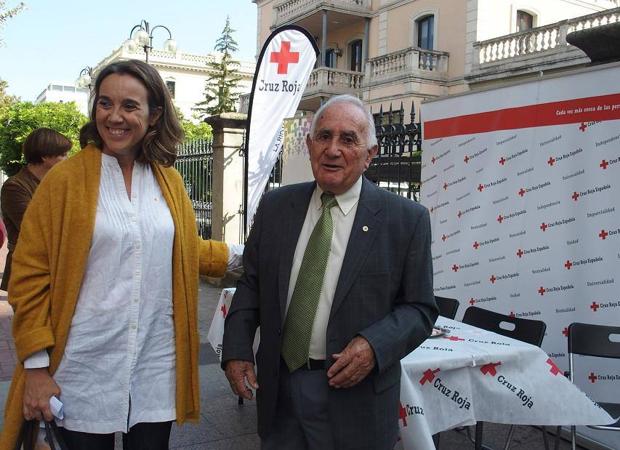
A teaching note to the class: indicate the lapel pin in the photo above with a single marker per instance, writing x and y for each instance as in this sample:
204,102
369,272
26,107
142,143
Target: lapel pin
364,228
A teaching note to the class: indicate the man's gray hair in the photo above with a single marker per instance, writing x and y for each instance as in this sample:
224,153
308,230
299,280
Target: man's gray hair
371,134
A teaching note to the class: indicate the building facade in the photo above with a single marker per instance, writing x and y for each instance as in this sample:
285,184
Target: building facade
388,51
63,93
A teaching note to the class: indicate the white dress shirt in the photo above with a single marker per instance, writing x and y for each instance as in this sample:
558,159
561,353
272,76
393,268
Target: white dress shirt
342,218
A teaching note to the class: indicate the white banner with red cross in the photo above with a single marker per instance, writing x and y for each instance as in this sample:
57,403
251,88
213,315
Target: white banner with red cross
284,65
523,185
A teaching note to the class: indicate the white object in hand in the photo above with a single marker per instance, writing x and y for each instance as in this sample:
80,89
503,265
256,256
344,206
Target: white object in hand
56,407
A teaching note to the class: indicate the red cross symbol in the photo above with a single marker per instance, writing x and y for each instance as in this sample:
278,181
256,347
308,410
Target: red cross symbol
466,159
490,369
223,309
603,164
459,214
500,219
284,57
555,370
603,234
551,161
568,264
480,187
519,253
433,160
565,331
492,279
429,375
592,378
502,161
444,237
575,196
511,315
472,301
542,290
445,186
583,127
544,226
455,268
453,338
476,245
594,306
522,192
402,414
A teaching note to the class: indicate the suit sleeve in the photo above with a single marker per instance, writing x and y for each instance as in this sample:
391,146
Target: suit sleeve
414,311
243,317
14,202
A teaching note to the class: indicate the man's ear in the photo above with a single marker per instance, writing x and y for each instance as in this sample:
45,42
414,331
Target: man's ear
155,115
308,142
372,152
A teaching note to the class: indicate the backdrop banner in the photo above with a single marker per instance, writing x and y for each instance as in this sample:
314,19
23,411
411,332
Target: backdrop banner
282,72
523,185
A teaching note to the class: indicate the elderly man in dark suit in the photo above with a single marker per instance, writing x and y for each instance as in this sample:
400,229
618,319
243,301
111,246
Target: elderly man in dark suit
338,275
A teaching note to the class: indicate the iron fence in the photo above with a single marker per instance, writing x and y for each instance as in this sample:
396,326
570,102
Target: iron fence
397,165
195,163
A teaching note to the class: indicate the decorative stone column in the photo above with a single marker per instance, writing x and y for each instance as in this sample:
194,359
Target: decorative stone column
227,195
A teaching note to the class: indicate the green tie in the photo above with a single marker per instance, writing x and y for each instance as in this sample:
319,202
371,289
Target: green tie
305,299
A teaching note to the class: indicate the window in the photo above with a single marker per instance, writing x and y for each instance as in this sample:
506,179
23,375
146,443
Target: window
355,58
525,21
171,86
330,58
426,26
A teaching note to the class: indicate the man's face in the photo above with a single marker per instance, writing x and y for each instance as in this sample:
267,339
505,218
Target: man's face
339,152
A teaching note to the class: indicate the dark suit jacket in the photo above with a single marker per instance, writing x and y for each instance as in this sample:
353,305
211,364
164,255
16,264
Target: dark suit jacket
384,293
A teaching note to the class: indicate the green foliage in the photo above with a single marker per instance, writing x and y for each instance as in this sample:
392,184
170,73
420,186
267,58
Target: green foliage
193,131
223,78
5,99
19,119
6,13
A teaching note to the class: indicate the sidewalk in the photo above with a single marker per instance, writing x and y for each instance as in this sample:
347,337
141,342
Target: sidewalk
225,425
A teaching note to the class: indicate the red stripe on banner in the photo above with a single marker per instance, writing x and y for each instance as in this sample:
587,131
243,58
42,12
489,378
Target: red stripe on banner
587,109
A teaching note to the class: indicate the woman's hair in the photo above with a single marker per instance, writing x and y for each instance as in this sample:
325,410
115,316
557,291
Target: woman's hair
44,142
159,145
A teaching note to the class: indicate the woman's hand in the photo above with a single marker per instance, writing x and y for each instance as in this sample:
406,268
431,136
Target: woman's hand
40,386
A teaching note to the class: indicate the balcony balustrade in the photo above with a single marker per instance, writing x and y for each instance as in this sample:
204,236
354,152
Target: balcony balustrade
289,10
412,61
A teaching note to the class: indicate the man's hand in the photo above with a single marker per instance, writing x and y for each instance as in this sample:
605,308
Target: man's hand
352,365
39,388
241,377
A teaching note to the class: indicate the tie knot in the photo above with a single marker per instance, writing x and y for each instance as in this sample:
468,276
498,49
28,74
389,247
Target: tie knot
328,200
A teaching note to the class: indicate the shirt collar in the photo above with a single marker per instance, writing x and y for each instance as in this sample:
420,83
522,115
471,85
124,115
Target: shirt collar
346,200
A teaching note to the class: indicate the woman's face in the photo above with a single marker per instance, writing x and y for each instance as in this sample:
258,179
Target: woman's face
122,115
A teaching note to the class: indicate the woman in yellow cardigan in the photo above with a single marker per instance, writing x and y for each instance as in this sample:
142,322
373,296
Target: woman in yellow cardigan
105,278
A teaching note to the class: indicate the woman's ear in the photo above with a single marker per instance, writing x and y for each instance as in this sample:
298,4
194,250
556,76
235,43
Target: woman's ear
155,115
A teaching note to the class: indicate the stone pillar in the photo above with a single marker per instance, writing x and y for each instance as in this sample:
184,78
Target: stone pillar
228,177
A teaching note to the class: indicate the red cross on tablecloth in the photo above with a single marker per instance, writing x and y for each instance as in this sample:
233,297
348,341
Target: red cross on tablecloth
603,164
472,301
521,192
284,57
519,253
455,268
592,377
555,370
492,279
502,161
583,127
568,264
511,315
480,187
428,376
466,159
433,160
541,290
445,186
565,331
459,214
551,161
444,237
603,234
490,368
500,218
594,306
453,338
476,245
544,226
575,196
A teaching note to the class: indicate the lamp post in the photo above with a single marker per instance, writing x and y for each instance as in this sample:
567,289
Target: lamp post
141,35
86,77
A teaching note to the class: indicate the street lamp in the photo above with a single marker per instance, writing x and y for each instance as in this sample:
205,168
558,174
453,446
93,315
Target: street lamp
86,77
141,35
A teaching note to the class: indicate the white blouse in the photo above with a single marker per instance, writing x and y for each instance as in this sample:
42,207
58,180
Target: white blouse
118,368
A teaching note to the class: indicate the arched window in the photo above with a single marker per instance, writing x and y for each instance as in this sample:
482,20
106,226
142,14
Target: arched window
525,21
355,55
426,32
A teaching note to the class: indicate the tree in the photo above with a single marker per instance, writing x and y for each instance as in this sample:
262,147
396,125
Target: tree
223,78
19,119
6,13
5,99
196,131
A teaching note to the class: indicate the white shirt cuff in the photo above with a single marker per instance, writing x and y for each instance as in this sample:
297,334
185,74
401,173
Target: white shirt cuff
235,256
37,360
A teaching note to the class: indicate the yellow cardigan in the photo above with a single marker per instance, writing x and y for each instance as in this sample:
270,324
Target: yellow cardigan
49,264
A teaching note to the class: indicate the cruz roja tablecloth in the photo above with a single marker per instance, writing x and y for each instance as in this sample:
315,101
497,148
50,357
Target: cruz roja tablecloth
468,375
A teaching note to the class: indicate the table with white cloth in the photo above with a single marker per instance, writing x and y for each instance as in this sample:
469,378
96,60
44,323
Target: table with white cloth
468,375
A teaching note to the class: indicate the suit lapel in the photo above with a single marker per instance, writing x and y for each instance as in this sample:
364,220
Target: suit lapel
366,226
294,214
